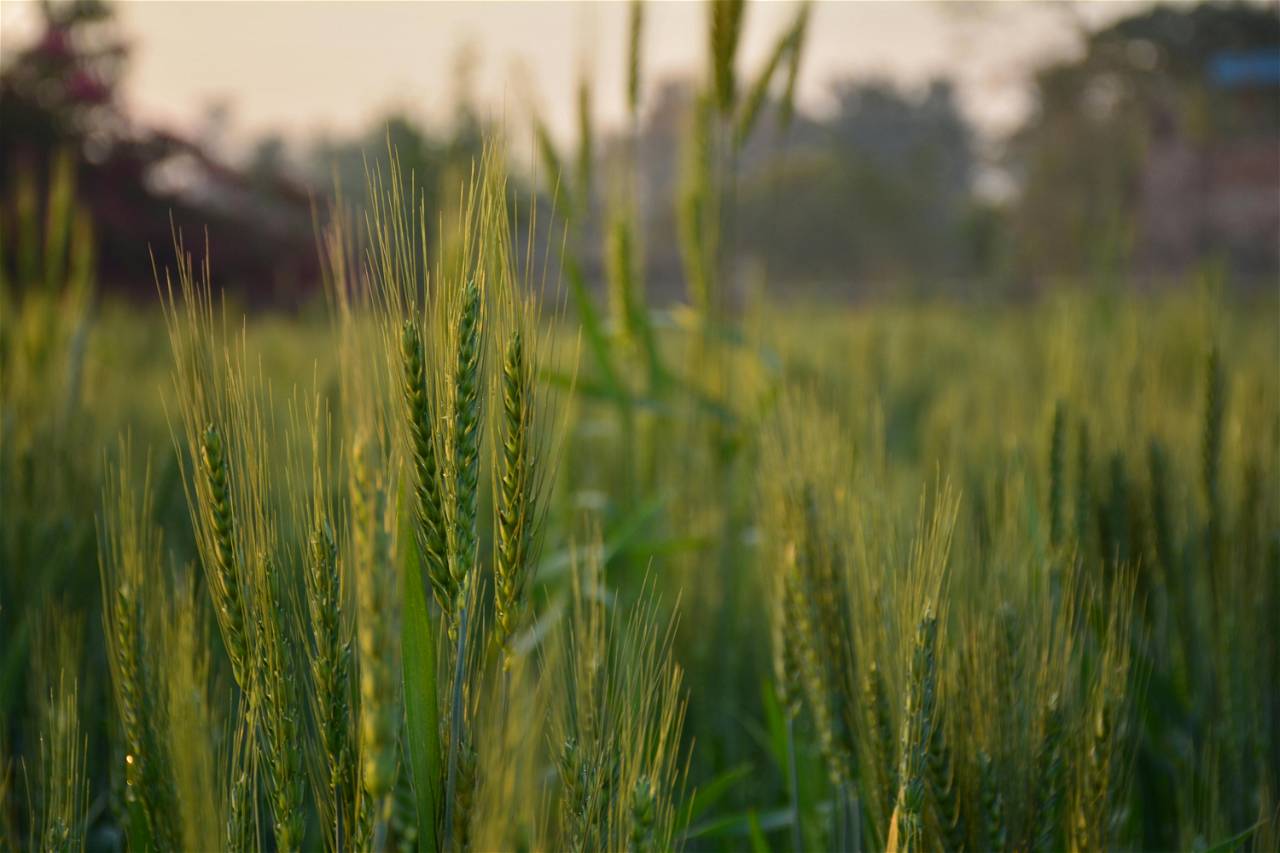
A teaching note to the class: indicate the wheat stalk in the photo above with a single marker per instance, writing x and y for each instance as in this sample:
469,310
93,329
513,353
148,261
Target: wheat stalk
131,553
917,729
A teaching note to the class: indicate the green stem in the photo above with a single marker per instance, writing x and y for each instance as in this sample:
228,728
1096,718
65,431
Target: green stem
797,843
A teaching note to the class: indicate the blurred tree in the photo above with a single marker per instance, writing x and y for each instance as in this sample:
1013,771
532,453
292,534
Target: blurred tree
1082,154
879,192
268,159
59,98
62,89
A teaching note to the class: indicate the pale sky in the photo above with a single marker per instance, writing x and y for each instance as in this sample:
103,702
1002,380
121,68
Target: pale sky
299,67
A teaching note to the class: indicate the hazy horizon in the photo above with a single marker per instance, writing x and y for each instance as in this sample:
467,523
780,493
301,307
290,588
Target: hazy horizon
306,69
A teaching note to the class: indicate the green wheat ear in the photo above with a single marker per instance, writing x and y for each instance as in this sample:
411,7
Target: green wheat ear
191,714
917,729
586,153
724,31
991,804
1051,782
786,661
132,550
430,514
515,511
278,708
942,782
331,661
876,710
573,794
465,457
1092,808
635,28
375,681
241,823
642,816
917,771
697,214
224,582
624,300
63,784
813,675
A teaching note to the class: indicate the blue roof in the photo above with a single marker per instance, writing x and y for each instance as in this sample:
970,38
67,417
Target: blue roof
1246,68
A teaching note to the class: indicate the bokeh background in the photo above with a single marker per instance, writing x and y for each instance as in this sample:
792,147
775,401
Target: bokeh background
981,150
1028,251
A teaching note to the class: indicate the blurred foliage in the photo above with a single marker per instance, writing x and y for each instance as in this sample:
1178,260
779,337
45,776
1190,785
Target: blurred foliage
1081,154
49,472
879,192
61,97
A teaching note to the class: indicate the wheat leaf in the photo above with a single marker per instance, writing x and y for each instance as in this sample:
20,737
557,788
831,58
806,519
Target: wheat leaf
422,716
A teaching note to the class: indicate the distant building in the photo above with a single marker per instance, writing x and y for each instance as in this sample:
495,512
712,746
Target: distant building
1212,189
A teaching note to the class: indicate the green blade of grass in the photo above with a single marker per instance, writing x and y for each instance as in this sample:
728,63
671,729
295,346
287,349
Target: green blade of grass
619,538
776,725
738,825
592,390
1235,841
759,844
715,790
138,834
422,716
591,326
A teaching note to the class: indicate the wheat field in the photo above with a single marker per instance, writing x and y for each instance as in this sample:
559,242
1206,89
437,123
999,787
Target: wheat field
477,553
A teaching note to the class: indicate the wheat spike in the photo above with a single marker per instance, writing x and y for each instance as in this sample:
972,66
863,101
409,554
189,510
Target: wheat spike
465,448
515,510
224,580
430,530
